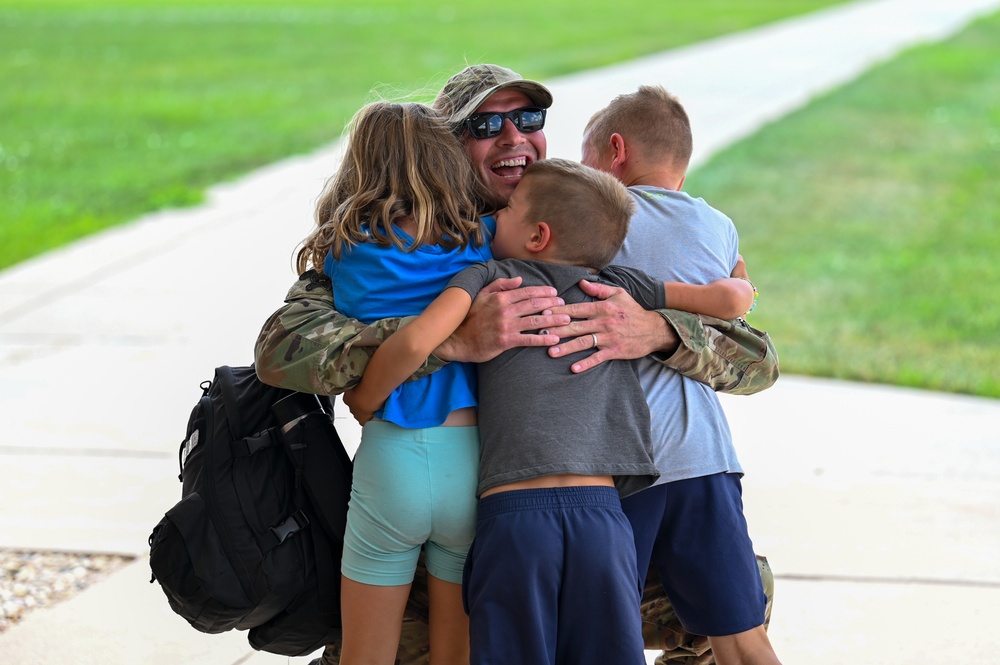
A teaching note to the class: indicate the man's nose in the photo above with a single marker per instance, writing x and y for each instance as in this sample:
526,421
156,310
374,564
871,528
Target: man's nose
510,134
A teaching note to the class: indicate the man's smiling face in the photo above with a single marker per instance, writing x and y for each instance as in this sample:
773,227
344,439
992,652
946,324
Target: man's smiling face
501,160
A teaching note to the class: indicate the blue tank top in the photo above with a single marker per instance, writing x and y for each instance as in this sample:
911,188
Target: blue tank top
372,282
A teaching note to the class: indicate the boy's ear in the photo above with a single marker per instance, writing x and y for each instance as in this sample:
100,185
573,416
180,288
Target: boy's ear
540,238
619,152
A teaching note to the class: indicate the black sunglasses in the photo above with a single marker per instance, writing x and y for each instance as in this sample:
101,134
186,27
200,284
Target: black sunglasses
490,123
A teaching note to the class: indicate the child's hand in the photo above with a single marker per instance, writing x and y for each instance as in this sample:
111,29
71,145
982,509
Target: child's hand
740,270
355,401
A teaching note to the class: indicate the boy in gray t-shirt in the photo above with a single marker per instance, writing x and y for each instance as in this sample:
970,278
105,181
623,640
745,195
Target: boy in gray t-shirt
557,448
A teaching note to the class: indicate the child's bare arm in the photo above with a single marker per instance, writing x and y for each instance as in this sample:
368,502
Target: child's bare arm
726,298
404,352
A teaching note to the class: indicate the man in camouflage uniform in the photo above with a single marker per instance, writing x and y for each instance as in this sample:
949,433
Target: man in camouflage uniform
308,346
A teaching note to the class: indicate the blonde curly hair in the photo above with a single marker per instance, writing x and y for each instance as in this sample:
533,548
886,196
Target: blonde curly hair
401,159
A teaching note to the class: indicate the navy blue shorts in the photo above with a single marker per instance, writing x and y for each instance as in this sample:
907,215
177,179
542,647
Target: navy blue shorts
551,578
695,533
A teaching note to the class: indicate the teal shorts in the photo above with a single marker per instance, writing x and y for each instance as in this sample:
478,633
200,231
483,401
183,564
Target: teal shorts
412,489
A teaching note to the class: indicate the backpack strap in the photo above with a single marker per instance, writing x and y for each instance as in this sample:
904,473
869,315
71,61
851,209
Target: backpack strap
318,454
324,469
249,445
227,382
327,577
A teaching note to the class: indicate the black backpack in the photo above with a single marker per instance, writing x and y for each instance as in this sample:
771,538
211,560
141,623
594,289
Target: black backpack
256,539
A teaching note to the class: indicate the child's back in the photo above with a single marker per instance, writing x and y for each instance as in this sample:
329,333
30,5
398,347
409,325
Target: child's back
690,524
537,418
395,222
675,237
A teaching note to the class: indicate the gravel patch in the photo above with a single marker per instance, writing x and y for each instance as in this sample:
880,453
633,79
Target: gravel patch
30,580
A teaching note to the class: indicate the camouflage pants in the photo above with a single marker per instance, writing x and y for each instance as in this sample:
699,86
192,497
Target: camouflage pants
661,630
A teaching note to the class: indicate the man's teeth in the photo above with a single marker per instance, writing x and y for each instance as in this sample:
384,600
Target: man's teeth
517,161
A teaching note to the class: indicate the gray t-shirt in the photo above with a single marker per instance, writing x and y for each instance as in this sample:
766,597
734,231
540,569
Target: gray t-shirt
537,418
675,237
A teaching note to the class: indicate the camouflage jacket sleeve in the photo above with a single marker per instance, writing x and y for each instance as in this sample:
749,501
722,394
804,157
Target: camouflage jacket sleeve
728,356
307,345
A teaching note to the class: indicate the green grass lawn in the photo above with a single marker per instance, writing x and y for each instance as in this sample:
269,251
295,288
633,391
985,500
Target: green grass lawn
871,221
115,108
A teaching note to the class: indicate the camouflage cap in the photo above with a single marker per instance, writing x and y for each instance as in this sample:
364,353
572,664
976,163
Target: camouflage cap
467,90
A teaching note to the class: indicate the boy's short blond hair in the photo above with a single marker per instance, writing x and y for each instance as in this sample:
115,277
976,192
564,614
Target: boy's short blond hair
588,210
651,119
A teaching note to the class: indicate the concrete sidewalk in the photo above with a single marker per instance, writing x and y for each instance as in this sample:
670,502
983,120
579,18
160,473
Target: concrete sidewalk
878,508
